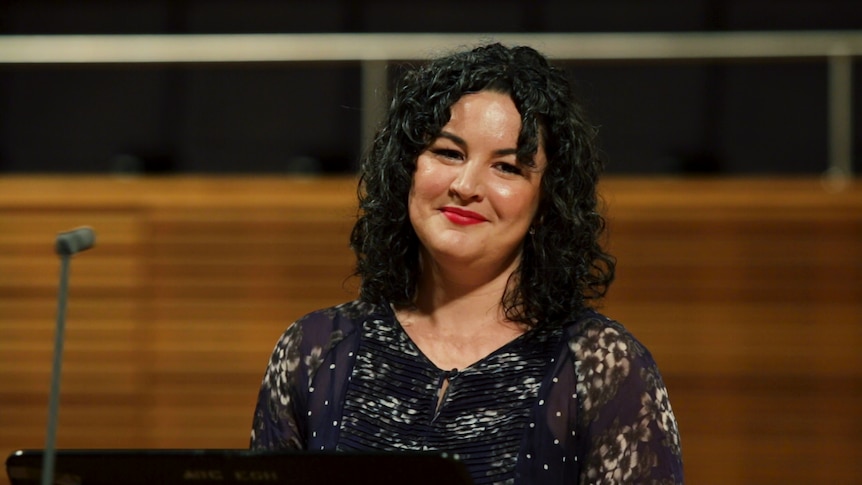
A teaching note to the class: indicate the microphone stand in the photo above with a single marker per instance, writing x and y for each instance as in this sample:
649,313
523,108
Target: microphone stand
67,244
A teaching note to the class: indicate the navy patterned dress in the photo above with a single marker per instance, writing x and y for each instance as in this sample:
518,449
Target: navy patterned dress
581,403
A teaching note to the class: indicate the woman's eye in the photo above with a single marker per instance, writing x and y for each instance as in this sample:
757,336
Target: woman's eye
447,153
510,168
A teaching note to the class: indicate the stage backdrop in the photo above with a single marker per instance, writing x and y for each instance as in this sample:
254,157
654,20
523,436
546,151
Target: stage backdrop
747,291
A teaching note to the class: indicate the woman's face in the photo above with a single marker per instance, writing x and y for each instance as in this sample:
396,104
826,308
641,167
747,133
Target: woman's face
472,201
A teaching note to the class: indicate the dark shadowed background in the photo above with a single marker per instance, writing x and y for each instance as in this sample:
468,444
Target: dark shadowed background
656,117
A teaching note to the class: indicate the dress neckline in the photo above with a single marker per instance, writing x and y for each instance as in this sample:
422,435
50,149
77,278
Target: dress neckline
475,366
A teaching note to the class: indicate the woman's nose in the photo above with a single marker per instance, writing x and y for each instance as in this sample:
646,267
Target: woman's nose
467,183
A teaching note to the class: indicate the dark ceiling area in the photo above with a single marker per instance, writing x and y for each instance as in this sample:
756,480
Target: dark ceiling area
671,117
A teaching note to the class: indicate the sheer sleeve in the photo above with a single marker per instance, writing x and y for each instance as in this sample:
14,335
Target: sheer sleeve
276,423
283,417
628,432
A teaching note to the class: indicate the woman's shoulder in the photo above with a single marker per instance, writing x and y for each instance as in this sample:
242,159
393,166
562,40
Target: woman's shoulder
609,362
622,399
593,332
307,340
322,327
342,314
612,365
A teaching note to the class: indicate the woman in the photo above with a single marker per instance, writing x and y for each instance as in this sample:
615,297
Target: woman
478,252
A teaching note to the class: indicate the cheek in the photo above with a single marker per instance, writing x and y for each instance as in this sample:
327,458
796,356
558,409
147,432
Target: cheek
516,202
428,180
419,191
504,193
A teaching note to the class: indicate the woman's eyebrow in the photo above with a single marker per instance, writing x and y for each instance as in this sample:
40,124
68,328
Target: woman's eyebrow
463,144
454,138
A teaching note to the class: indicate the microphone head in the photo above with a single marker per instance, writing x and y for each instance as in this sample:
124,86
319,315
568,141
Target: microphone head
74,241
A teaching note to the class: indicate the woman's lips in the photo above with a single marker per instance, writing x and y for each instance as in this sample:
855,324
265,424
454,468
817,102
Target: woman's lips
462,217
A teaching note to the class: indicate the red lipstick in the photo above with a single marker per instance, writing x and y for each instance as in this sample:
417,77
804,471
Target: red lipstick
462,217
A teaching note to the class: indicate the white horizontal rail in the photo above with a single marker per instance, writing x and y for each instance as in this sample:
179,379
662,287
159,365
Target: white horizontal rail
373,50
187,48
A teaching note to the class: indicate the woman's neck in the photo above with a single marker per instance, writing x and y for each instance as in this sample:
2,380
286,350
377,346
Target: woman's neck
462,290
457,317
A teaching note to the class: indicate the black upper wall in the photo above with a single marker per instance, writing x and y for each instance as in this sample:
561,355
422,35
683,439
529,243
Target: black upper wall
654,117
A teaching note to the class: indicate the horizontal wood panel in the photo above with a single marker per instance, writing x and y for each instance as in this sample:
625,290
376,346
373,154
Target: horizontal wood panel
748,292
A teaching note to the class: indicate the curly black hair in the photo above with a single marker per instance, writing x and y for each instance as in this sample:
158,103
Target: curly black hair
563,267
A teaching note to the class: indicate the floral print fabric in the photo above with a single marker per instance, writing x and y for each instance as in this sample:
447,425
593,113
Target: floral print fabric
580,403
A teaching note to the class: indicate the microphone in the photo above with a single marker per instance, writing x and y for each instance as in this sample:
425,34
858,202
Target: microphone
74,241
67,244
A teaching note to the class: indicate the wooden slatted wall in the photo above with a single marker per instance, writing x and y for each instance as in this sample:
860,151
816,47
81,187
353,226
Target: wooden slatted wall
747,291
